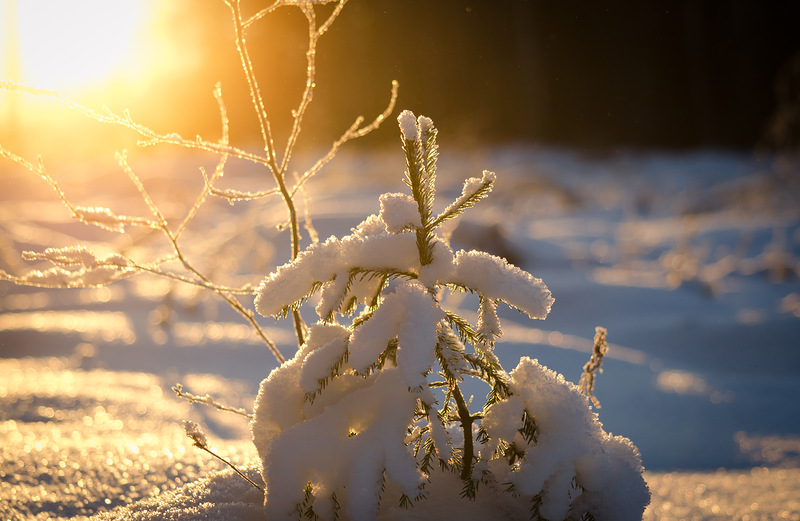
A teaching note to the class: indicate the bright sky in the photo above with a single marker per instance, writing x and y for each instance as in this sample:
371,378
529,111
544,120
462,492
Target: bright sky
95,52
69,45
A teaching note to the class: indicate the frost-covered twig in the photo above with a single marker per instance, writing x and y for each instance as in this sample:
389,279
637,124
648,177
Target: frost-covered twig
594,366
208,400
149,136
351,133
173,231
220,168
199,440
99,216
163,225
280,167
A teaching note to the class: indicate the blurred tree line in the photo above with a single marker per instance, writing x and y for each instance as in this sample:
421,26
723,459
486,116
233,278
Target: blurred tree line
596,74
593,74
624,73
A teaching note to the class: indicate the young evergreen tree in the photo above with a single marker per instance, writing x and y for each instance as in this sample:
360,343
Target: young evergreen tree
355,416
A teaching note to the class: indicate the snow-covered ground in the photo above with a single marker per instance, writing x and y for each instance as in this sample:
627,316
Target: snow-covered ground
690,261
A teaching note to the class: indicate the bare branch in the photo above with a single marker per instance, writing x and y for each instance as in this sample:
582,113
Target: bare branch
261,14
208,400
351,133
99,216
309,224
200,441
218,171
234,195
151,137
154,270
252,82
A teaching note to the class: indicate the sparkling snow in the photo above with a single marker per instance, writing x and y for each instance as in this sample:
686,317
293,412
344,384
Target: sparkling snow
109,445
690,261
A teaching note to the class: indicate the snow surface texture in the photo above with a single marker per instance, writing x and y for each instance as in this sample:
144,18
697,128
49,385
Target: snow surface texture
80,444
686,259
77,442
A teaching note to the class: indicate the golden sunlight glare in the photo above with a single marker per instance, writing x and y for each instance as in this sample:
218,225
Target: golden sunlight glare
68,45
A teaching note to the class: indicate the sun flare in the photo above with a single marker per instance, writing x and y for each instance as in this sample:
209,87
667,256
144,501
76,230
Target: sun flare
69,45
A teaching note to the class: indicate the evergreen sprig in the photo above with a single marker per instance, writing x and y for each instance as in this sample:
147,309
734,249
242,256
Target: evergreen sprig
419,156
322,383
426,463
492,372
387,355
295,306
535,508
529,429
462,204
306,507
428,135
462,327
350,305
448,351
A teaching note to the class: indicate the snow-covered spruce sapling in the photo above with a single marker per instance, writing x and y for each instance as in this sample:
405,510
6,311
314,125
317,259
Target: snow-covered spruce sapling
371,404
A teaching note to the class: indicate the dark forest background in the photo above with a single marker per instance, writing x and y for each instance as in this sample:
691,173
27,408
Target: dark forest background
597,75
670,74
592,74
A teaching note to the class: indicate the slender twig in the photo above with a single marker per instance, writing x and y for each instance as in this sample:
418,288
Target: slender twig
252,82
234,195
261,14
250,317
308,222
269,145
151,137
208,400
594,366
227,297
231,465
218,171
269,160
86,215
199,283
200,445
351,133
314,35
